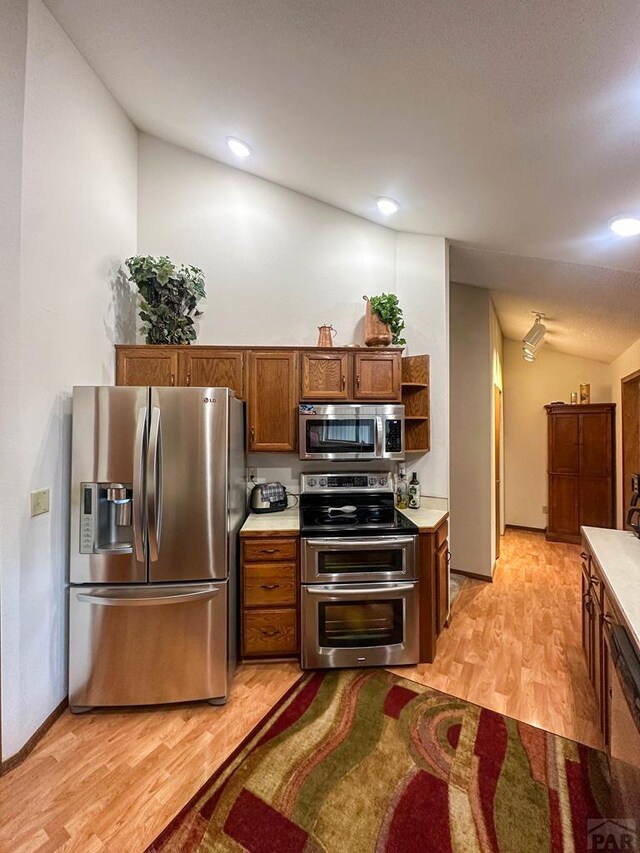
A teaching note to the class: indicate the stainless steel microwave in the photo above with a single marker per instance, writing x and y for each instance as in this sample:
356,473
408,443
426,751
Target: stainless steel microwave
350,432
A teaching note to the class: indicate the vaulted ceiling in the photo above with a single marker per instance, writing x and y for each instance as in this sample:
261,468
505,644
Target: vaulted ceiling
511,127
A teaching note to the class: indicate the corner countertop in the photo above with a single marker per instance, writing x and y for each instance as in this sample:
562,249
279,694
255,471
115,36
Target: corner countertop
288,521
617,553
427,519
274,523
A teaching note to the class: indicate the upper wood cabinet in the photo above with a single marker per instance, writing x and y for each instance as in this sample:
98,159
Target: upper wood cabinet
325,375
377,376
581,469
146,366
272,401
203,368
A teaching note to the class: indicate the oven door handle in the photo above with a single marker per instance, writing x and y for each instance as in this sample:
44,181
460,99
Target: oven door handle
372,590
349,544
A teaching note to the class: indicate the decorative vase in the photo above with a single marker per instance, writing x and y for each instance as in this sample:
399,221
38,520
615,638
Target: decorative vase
376,333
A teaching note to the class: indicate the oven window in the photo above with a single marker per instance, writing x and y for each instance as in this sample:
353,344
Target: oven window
342,435
360,561
358,624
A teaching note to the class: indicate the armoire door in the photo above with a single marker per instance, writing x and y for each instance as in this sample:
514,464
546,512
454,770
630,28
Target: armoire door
564,443
595,444
563,505
595,501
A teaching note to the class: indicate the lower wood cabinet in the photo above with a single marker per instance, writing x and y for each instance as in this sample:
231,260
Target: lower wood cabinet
433,575
269,597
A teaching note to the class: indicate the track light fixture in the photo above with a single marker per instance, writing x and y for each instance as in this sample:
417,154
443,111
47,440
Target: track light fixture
534,338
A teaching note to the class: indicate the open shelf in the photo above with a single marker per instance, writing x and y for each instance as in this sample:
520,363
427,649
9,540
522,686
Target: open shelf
416,400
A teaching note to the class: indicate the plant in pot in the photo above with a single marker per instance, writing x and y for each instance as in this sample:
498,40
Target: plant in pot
169,298
384,322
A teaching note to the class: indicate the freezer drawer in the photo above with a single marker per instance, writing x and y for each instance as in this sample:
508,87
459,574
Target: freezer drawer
143,645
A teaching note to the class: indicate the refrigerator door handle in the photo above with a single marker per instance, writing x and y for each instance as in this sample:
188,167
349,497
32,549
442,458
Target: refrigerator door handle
138,484
108,599
154,484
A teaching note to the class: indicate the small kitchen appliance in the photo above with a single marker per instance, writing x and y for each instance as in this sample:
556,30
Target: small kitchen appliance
268,497
351,432
358,571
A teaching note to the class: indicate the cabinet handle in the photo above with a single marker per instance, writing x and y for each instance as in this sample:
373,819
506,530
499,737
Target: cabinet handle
344,382
273,632
188,379
270,586
586,557
173,379
253,433
608,618
594,580
268,550
358,379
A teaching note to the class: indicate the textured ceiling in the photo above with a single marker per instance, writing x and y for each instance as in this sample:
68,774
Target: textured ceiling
508,126
592,312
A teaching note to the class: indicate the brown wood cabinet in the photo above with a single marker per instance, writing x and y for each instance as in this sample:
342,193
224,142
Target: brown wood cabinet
269,596
581,469
338,375
147,365
214,368
272,404
433,576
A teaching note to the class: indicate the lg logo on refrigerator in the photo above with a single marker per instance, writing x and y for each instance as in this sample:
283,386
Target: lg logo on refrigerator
209,399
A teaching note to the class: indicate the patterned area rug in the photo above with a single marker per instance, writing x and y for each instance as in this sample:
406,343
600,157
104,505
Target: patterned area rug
362,760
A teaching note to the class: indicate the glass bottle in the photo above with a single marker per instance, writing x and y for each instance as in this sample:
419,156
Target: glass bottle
414,492
402,492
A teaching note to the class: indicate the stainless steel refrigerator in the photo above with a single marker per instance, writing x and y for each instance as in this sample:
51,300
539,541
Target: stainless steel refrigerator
158,496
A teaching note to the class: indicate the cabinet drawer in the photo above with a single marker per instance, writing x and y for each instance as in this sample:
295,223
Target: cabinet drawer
269,584
269,632
264,550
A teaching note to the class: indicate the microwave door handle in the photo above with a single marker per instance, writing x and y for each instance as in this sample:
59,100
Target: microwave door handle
138,483
154,484
379,438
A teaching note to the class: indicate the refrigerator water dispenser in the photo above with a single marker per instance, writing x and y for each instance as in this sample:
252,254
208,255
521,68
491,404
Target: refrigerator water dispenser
105,518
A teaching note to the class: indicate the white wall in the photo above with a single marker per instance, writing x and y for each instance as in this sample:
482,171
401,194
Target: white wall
471,379
527,389
279,264
13,52
622,366
78,222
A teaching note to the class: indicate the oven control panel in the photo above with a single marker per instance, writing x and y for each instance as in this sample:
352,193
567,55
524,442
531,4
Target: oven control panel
378,481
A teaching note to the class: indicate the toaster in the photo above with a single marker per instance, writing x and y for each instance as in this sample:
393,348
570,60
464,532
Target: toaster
268,497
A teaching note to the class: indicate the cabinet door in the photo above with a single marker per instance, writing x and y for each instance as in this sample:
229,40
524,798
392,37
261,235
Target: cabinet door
442,585
595,444
564,438
153,365
587,632
325,376
563,505
273,401
213,369
377,376
595,502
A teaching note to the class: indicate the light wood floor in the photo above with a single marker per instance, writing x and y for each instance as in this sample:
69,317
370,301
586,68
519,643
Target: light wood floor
112,780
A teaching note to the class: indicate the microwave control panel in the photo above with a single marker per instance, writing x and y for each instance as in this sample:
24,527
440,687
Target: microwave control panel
393,436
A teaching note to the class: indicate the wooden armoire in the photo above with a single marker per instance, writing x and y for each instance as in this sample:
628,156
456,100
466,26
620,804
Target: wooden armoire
581,469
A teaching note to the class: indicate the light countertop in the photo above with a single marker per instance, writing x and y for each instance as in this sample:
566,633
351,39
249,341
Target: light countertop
288,521
426,518
617,553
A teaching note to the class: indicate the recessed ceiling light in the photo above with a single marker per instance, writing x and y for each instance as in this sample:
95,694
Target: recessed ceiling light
625,226
387,205
239,148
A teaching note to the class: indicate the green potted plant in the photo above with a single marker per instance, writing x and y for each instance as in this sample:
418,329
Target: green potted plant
384,322
170,296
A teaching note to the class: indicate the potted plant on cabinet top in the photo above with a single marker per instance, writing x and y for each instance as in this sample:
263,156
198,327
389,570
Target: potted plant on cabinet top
170,296
383,321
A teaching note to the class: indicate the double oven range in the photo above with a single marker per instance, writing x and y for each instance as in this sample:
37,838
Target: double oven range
358,572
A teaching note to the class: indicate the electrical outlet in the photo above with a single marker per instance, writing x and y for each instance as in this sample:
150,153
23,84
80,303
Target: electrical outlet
545,510
252,475
39,502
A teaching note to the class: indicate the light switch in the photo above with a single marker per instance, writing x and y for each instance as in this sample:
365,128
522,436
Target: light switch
39,502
